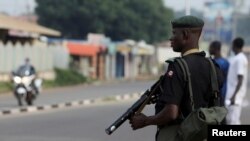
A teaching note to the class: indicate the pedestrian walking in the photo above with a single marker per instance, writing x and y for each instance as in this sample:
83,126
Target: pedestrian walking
236,82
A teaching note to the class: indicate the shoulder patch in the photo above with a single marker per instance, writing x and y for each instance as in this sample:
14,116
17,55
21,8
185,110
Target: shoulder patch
170,73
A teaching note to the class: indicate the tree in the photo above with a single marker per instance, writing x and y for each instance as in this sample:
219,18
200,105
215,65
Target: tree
145,20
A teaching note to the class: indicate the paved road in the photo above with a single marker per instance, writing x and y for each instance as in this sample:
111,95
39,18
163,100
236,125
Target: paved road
67,94
86,123
73,124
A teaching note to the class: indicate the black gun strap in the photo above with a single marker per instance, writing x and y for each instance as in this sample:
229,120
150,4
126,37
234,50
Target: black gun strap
186,71
214,84
182,69
214,81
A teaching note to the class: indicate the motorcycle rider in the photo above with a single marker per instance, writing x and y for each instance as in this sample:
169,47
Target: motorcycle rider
26,84
30,70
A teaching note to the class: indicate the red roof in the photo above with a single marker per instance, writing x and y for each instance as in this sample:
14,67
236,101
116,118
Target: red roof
83,49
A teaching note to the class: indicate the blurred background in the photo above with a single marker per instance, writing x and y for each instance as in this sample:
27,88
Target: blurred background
72,42
108,39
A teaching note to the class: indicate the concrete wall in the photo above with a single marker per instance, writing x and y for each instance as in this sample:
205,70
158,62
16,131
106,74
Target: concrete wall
43,58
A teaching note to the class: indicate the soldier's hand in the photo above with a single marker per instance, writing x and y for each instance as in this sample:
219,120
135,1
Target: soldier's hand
138,121
153,99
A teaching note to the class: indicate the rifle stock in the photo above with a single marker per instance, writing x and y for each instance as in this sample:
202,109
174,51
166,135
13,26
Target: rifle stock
136,107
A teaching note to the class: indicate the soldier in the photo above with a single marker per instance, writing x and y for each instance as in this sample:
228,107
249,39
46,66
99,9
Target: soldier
173,104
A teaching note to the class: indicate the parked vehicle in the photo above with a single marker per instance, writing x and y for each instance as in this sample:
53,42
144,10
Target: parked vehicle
25,86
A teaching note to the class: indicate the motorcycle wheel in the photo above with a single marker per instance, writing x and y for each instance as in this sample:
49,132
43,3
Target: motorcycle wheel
19,99
29,99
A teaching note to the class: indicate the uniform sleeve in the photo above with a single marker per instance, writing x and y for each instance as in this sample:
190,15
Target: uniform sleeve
172,86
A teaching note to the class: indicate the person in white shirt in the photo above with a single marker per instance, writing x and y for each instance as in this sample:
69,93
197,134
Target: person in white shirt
236,82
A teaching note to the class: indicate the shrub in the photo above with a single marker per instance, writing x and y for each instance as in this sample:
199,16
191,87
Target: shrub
5,87
68,77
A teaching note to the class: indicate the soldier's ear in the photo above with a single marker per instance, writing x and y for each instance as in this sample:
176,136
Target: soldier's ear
185,34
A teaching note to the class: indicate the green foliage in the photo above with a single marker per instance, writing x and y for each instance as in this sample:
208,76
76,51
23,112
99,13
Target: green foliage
68,77
49,84
118,19
5,87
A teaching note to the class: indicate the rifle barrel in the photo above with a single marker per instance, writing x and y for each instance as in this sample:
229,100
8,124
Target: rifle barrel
127,114
138,105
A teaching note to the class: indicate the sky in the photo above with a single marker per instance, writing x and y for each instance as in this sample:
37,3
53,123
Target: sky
178,5
17,7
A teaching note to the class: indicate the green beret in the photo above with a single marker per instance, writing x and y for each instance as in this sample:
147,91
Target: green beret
187,22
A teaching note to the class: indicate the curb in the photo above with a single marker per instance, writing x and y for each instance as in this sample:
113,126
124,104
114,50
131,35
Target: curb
68,104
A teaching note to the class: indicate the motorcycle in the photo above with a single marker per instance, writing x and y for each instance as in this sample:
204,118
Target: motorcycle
25,86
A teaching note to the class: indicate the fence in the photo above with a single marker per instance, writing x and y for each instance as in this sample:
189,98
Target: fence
44,58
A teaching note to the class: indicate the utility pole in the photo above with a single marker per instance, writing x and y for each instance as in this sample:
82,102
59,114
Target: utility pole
187,7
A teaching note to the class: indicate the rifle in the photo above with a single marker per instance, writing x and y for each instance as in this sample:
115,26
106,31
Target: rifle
137,107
